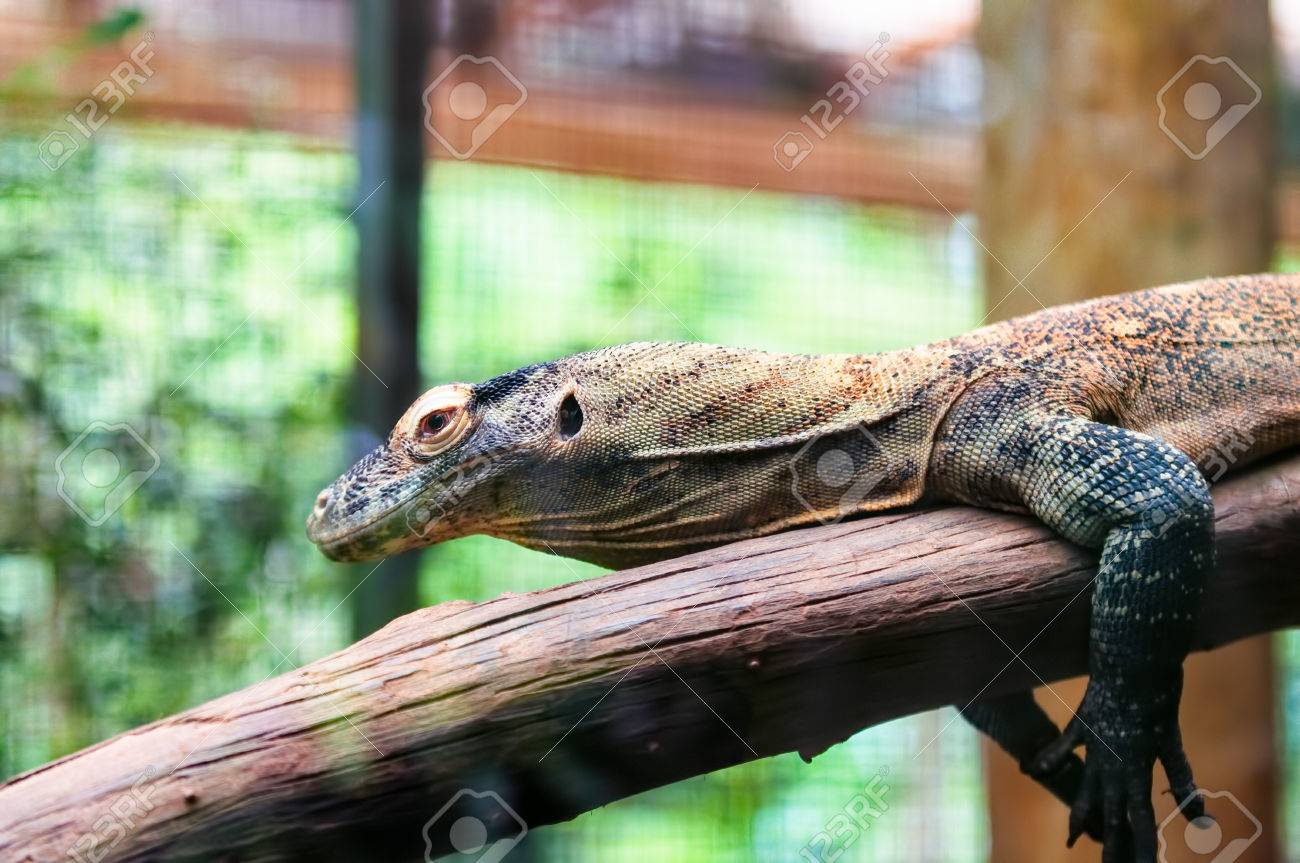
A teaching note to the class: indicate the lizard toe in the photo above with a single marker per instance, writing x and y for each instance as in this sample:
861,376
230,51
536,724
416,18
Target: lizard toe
1179,772
1055,754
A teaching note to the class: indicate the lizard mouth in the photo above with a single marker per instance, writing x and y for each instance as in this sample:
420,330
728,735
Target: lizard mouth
347,541
352,532
336,546
381,535
345,536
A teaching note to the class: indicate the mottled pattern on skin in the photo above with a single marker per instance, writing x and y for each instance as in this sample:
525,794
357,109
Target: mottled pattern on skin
1104,419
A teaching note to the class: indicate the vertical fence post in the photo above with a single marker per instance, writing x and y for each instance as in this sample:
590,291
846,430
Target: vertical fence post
392,41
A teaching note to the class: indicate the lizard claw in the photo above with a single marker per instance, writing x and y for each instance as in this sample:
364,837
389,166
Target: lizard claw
1179,772
1065,774
1113,804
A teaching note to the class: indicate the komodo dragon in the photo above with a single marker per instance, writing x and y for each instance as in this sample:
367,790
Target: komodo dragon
1103,419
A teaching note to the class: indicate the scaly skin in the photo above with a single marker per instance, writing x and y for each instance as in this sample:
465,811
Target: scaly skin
1104,419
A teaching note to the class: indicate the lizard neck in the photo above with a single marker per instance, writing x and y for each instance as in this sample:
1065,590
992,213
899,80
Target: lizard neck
729,444
874,420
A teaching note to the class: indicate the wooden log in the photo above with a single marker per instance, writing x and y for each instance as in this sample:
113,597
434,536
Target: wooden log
566,699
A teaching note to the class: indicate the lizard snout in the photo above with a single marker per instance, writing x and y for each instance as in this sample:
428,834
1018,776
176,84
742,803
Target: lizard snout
339,527
320,524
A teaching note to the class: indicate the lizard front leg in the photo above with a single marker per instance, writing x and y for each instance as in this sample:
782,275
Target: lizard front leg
1148,508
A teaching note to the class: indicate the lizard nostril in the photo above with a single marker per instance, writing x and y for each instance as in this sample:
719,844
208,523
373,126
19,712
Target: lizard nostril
323,501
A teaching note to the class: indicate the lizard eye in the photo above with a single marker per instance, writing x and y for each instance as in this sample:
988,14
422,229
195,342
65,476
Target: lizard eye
438,420
437,430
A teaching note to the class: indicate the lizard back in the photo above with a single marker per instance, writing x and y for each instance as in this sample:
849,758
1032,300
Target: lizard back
1212,366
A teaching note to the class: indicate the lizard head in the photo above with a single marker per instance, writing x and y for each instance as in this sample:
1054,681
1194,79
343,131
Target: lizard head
617,456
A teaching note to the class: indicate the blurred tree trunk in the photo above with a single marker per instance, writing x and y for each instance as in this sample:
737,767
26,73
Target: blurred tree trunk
393,38
1071,90
1084,193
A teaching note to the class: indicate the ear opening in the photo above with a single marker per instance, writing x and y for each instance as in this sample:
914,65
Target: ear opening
570,417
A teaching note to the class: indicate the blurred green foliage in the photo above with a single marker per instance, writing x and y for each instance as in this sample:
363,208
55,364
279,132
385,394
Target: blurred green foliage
116,289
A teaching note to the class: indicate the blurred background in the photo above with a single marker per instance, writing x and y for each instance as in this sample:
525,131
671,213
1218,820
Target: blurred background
237,238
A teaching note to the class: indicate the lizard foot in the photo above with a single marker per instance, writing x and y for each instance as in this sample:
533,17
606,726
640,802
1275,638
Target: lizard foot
1124,734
